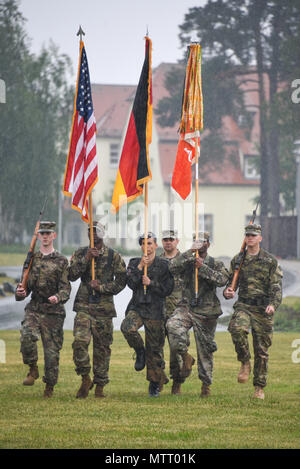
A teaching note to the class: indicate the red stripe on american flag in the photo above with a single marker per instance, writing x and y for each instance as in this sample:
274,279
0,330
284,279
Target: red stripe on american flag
83,158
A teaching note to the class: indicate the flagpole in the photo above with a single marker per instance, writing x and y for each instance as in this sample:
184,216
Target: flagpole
81,33
196,211
146,230
91,233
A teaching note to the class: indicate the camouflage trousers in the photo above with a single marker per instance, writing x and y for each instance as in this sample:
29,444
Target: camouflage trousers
178,327
261,326
174,359
154,343
50,328
100,329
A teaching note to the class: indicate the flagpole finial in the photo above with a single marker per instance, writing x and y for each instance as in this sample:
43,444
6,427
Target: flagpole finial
80,32
147,31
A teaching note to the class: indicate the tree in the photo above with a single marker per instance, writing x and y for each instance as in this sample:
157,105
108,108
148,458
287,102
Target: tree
222,97
260,36
34,126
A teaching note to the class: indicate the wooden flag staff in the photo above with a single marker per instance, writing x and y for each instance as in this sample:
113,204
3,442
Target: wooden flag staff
81,33
91,233
196,211
146,230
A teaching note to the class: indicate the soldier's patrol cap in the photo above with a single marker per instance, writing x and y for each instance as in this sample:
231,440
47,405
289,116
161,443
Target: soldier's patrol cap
253,229
170,234
149,235
99,229
47,227
202,236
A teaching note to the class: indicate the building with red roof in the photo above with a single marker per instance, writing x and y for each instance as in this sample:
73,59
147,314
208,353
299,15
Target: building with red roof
226,191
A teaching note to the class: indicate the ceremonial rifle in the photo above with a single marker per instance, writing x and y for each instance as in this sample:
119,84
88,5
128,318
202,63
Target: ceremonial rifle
29,258
242,254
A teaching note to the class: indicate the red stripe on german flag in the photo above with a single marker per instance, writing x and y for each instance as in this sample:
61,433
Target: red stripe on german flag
134,168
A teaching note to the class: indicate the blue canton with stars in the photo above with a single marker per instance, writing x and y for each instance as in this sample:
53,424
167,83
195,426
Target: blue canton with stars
84,102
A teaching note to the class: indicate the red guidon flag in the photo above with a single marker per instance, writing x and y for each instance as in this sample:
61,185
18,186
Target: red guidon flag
190,125
182,174
134,168
81,173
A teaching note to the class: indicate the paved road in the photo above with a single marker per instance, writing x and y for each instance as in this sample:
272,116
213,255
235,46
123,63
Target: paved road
12,312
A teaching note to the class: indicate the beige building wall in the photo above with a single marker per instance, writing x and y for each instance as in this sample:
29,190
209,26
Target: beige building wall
227,209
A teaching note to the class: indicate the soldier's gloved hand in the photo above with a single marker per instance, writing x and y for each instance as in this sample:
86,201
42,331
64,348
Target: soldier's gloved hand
270,309
53,299
197,244
199,261
92,252
20,291
143,262
146,280
228,293
95,284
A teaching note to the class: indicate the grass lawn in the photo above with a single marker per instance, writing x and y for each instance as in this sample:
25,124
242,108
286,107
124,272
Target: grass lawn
128,419
14,259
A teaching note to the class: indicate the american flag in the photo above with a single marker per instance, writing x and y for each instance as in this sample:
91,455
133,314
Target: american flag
81,173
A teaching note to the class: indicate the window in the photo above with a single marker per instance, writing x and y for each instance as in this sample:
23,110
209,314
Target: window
250,170
206,224
114,155
74,234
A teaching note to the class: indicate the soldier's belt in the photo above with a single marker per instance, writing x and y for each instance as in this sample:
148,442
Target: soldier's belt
196,302
39,298
255,301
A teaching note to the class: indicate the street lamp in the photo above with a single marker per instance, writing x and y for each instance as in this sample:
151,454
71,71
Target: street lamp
297,157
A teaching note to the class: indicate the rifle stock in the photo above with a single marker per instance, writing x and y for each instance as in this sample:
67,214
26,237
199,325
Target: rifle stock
238,266
28,261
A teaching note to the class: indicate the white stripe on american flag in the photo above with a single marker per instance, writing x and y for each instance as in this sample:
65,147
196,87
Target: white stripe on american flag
83,150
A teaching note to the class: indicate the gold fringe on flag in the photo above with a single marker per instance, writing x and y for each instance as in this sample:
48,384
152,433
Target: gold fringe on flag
192,103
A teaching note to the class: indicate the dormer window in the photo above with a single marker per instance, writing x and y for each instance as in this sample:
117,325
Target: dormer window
250,169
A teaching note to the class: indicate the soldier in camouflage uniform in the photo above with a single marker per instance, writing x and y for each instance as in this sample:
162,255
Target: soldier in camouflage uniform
146,309
95,309
45,313
260,294
201,314
170,242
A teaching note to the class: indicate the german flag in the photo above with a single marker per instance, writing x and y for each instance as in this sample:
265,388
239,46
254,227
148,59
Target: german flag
134,168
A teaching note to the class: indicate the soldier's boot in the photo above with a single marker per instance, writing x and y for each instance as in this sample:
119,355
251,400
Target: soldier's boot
140,360
259,392
153,389
48,391
99,391
86,386
188,362
164,380
31,376
176,388
205,390
244,372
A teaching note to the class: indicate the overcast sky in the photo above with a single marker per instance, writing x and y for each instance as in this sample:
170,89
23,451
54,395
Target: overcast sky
115,31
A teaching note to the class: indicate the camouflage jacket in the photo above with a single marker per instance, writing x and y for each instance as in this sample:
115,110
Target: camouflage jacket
149,306
211,274
48,276
259,282
176,295
110,270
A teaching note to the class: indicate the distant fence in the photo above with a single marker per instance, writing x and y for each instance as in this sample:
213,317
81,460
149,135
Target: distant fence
280,236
